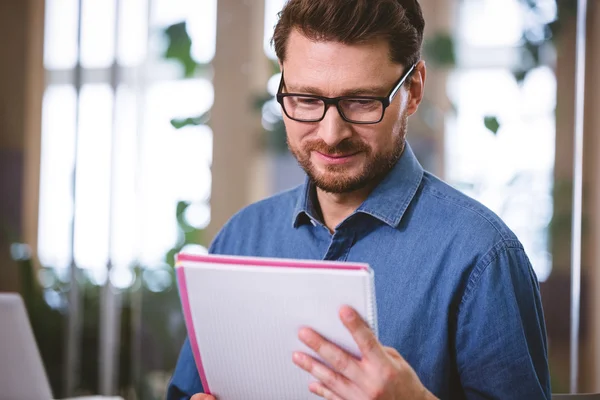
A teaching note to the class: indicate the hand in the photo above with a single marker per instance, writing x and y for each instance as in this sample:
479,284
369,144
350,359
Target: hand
202,396
380,374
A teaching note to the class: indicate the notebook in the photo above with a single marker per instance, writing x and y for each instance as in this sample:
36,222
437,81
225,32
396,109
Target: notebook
243,315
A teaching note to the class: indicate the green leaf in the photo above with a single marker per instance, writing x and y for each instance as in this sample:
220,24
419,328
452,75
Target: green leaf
180,47
520,75
170,257
439,50
492,124
179,123
181,207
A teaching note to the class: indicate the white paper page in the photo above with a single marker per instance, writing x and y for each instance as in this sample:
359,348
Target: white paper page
247,318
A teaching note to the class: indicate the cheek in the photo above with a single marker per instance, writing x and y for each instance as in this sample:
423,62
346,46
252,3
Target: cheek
392,122
373,136
380,137
394,111
297,132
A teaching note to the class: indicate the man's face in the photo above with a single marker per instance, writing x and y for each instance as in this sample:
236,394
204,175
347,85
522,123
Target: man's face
339,156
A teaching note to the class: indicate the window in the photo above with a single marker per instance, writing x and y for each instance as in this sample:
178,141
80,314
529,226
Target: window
131,166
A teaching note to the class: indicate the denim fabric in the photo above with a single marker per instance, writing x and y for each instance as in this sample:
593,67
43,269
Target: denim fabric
455,291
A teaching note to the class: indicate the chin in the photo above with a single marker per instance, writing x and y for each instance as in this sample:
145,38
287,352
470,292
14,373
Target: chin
339,171
339,182
337,187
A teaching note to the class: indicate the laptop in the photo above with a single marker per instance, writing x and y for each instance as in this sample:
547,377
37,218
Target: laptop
22,374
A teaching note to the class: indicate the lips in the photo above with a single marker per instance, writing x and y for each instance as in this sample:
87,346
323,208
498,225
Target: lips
335,159
337,156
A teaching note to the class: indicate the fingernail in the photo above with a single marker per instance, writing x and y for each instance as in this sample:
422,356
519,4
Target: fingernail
304,334
348,314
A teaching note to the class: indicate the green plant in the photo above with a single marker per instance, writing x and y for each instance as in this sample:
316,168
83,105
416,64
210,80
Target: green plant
492,124
439,50
179,50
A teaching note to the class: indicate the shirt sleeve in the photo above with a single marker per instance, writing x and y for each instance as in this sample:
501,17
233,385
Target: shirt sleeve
185,381
501,345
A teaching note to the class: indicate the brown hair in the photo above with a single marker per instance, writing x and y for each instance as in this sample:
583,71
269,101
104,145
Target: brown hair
400,22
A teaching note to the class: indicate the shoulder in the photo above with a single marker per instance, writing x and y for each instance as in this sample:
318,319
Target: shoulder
463,214
475,236
490,245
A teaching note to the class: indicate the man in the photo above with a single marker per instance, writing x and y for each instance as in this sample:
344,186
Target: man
459,309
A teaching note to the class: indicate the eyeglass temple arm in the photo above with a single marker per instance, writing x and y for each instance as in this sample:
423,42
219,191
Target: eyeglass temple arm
399,85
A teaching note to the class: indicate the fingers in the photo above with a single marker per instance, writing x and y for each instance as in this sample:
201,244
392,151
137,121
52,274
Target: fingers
202,396
393,354
332,384
320,390
341,361
345,376
363,335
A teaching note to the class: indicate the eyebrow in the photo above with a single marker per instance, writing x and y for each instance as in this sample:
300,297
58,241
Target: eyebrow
364,91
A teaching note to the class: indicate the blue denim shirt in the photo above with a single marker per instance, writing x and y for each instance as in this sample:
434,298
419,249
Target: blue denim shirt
455,291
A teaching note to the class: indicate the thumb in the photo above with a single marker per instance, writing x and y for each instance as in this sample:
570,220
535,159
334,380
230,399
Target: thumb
393,353
202,396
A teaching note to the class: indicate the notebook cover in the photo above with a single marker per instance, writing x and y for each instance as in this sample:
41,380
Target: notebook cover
186,261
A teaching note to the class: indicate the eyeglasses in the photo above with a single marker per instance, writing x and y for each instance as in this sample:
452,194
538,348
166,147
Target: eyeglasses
353,109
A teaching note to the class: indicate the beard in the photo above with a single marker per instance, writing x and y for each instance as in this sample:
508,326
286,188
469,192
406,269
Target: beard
341,179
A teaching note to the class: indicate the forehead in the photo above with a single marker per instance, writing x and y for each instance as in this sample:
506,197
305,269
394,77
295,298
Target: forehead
335,66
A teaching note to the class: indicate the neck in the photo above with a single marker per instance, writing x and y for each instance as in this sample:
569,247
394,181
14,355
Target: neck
336,207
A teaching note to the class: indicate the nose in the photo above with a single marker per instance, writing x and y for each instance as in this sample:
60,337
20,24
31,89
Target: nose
333,129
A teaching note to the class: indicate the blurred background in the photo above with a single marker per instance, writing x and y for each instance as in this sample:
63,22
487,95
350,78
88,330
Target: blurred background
133,129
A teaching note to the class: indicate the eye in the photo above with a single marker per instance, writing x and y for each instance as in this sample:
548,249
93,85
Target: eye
363,104
308,101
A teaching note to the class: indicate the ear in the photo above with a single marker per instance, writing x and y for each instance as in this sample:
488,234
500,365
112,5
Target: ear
416,88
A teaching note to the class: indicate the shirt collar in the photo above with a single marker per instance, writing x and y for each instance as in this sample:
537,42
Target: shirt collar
387,202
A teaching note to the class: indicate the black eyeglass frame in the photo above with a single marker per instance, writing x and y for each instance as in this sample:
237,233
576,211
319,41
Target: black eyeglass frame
385,101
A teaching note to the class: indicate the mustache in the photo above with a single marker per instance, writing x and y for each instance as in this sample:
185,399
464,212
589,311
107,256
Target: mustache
347,146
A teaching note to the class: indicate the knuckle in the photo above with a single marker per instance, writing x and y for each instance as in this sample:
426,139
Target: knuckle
392,352
385,376
317,346
376,392
340,361
389,374
329,378
371,344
